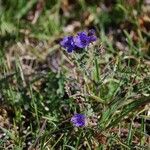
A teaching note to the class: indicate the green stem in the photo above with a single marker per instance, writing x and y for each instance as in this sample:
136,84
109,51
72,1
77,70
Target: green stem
98,99
97,70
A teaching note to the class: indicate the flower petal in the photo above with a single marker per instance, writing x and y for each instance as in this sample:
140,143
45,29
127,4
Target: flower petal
78,120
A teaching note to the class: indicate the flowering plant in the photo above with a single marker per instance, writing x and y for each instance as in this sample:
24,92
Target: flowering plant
75,43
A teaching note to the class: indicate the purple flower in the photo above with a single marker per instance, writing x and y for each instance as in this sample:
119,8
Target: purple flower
68,43
91,35
78,120
81,40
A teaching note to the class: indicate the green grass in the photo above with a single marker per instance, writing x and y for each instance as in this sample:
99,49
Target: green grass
112,88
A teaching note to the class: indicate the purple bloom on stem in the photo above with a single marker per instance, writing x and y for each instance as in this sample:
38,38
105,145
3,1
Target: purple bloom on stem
78,120
68,43
81,40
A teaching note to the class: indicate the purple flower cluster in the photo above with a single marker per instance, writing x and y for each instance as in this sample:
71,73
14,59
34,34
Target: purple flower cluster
80,41
78,120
